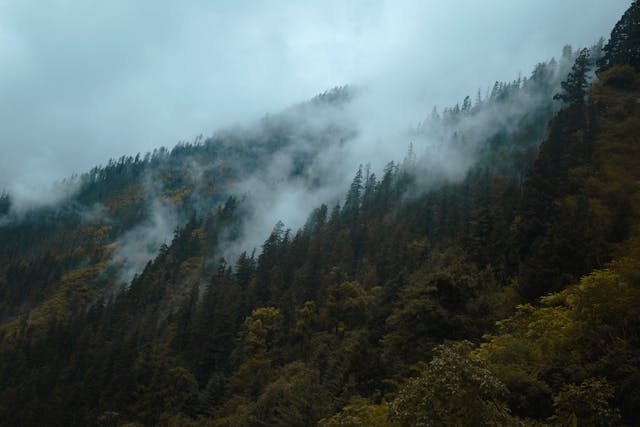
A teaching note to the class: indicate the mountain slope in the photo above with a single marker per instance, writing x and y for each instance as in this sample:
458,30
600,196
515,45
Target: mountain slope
412,300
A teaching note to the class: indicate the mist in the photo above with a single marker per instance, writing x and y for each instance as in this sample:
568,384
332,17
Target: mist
141,243
81,82
348,129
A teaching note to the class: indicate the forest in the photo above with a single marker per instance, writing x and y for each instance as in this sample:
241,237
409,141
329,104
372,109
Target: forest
505,292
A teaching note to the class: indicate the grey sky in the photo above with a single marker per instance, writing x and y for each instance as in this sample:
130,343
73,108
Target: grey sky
82,80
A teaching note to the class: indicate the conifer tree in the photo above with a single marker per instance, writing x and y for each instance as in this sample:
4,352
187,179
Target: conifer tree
624,45
574,88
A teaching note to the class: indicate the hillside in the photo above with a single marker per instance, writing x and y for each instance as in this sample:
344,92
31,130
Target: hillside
501,287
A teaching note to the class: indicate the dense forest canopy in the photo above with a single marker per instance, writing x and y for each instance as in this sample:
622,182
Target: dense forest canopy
498,287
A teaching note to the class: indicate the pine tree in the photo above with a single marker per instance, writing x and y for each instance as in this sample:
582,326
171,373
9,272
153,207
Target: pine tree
624,45
352,202
5,203
575,87
466,104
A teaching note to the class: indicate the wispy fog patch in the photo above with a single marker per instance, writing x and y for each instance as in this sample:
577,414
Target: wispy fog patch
94,213
139,245
269,202
28,195
302,159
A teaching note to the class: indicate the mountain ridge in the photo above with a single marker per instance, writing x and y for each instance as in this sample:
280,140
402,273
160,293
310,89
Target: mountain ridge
412,300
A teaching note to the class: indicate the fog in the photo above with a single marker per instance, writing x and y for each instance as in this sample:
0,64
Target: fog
82,81
140,244
360,129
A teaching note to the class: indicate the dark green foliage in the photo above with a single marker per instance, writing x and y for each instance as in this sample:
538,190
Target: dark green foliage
453,390
5,203
299,320
575,86
350,320
623,47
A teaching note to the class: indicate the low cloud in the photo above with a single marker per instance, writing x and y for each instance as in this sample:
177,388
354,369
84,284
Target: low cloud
139,245
82,82
28,195
337,138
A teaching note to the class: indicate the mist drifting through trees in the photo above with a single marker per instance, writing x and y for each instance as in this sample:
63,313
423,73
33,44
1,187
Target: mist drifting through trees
441,234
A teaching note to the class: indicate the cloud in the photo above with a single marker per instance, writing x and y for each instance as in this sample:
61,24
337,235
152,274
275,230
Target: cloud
140,245
26,195
85,81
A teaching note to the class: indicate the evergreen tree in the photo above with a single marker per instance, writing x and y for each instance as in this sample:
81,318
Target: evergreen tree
624,45
466,104
575,86
5,203
352,202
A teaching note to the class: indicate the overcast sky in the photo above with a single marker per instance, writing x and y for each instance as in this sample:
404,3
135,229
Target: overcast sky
83,80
